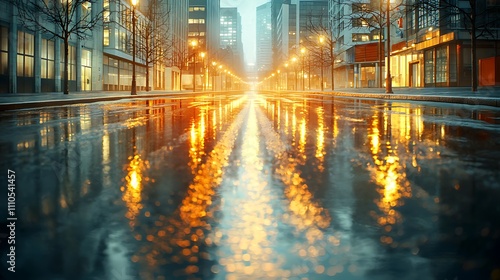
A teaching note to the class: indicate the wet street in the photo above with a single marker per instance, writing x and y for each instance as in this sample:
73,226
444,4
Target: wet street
253,186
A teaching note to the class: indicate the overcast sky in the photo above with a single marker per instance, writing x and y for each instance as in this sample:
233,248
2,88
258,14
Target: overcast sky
246,8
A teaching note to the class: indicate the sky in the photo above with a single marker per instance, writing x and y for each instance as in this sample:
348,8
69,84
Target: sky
247,9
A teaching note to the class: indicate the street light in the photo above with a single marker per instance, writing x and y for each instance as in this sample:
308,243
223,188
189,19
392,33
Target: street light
194,43
134,83
321,41
214,71
388,82
202,54
302,53
294,60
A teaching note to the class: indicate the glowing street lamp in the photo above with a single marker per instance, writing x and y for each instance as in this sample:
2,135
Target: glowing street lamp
203,54
321,42
294,60
134,83
194,43
302,53
388,82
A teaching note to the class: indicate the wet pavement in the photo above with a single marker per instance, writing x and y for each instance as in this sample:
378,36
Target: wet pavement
248,186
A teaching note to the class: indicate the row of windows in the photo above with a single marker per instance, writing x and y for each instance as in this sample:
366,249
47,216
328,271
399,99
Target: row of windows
196,33
26,56
196,9
196,20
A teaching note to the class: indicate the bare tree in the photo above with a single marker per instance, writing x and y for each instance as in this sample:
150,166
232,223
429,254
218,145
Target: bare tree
179,56
61,19
154,43
321,43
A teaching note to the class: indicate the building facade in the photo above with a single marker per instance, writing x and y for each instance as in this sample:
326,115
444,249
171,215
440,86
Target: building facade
32,61
436,50
264,52
230,39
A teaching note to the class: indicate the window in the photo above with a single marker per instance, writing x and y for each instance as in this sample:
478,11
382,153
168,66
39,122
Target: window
429,66
25,54
441,64
47,62
358,37
86,12
4,50
359,22
359,7
106,11
196,9
71,62
196,20
106,37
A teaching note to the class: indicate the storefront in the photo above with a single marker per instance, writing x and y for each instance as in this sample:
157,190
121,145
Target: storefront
118,74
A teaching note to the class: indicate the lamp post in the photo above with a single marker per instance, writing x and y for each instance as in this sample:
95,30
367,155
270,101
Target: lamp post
302,52
194,43
294,60
388,82
214,71
321,41
203,54
134,83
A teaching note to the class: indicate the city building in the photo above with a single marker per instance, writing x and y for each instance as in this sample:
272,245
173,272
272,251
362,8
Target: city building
32,61
203,37
264,52
230,40
178,38
436,50
359,44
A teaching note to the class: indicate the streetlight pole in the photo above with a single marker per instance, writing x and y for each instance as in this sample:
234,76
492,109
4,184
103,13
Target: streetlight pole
193,44
303,51
388,83
134,83
294,62
203,82
321,41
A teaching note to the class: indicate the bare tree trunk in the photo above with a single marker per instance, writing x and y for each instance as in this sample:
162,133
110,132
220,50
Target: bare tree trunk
147,77
333,65
66,65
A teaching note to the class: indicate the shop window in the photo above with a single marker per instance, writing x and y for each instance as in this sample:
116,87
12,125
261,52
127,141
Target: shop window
441,64
429,67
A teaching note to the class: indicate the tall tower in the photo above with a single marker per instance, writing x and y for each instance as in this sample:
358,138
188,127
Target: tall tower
264,38
204,24
230,38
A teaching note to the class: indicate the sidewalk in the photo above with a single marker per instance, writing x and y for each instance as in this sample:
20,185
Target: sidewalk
462,95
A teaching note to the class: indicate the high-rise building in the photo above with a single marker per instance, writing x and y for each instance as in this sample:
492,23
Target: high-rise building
230,39
178,37
264,42
204,26
311,21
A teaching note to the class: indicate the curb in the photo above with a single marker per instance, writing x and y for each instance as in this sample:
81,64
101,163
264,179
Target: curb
484,101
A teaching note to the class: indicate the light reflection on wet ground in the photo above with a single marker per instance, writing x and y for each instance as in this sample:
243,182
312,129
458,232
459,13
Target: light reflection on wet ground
256,187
